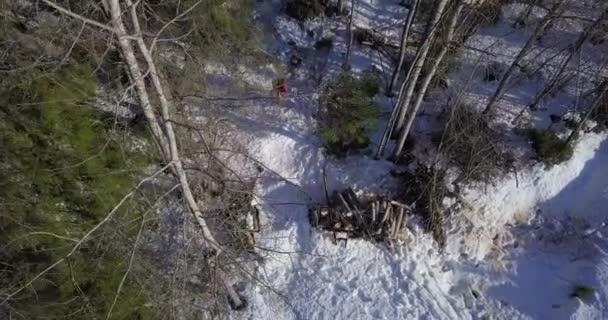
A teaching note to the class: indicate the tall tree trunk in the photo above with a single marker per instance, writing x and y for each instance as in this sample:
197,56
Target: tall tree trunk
419,63
402,48
426,81
398,113
390,125
572,51
138,77
540,29
169,134
346,64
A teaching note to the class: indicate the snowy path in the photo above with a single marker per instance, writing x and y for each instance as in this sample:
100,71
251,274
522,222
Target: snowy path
320,279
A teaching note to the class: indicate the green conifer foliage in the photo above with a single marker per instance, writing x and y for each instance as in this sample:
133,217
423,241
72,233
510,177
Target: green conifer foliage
62,170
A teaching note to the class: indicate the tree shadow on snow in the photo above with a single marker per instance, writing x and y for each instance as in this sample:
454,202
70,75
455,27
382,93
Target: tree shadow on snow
564,248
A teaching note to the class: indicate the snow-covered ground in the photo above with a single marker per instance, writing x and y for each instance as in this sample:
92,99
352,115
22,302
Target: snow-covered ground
514,251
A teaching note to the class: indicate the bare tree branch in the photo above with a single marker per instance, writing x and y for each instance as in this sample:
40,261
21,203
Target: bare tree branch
79,17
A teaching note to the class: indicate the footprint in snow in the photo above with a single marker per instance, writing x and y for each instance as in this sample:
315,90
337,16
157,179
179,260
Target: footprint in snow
340,287
362,296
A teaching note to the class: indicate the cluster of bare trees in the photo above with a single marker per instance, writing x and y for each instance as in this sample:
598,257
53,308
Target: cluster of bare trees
560,72
448,27
407,105
551,15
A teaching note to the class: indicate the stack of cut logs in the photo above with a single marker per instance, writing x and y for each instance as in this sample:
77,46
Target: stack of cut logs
346,217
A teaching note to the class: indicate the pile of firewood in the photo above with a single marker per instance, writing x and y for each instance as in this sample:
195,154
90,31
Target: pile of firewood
347,217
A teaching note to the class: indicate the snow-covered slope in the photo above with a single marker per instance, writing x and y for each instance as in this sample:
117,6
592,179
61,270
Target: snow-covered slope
310,277
515,250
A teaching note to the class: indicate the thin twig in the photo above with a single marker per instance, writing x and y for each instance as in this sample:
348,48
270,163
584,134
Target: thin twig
79,17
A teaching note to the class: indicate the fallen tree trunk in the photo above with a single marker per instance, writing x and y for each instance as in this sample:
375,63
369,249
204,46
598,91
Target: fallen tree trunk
167,137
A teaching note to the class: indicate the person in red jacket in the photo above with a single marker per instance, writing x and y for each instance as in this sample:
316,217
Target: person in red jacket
279,89
283,89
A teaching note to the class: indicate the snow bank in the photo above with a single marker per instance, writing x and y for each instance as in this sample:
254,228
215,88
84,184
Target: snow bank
577,187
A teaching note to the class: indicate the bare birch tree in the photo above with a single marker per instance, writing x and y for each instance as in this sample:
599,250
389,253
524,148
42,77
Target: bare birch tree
408,85
551,15
163,129
419,62
426,81
403,46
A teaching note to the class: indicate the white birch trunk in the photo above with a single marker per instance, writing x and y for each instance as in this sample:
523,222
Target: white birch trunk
138,77
388,130
404,37
419,63
169,134
426,81
400,107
